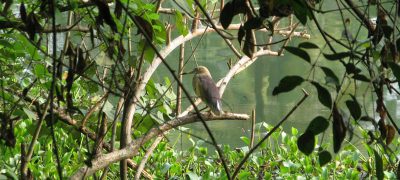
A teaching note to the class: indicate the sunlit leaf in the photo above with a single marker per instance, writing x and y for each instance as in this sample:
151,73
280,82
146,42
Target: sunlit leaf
298,52
339,129
103,60
286,84
354,107
324,157
245,139
378,165
180,25
306,143
318,125
324,96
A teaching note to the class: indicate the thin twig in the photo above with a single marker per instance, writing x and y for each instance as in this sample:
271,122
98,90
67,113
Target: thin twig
146,156
237,169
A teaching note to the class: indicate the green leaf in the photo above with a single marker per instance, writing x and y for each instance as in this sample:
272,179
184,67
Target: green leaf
180,25
354,107
246,140
286,84
31,115
337,56
318,125
378,165
103,60
298,52
330,76
244,175
40,71
324,157
306,143
308,45
193,176
323,95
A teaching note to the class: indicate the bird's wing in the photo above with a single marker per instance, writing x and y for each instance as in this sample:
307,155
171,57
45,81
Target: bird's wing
209,90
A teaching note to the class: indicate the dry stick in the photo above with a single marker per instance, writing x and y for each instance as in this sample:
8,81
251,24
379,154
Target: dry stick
288,39
94,108
146,156
269,134
180,76
34,138
253,127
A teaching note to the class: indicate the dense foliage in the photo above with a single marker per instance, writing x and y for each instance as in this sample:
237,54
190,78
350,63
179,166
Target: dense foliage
78,92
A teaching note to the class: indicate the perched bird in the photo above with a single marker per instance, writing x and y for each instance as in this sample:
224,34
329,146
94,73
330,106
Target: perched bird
205,88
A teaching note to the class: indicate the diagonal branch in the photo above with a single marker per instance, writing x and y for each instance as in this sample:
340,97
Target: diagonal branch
131,150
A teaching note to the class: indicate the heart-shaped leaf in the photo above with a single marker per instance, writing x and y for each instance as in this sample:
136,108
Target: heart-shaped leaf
287,84
306,143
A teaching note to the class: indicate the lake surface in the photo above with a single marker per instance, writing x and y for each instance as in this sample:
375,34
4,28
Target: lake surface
252,88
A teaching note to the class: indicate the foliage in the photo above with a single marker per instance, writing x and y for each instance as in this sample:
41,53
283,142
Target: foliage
77,83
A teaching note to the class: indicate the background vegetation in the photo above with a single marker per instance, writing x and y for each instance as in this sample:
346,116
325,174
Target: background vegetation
78,89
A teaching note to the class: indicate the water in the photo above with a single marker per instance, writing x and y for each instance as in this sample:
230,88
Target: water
252,88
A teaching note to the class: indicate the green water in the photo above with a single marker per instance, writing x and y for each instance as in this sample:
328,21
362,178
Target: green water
252,88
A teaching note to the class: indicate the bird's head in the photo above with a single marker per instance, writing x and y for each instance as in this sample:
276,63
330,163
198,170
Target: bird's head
201,70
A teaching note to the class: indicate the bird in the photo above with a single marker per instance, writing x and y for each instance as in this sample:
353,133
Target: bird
206,90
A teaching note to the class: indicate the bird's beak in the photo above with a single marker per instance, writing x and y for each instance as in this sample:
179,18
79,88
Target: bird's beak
191,72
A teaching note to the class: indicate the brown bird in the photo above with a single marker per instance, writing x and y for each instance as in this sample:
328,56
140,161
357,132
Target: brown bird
205,88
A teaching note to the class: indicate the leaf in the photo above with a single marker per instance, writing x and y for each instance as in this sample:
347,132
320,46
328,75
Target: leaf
337,56
246,140
318,125
339,129
103,60
287,84
361,77
22,12
180,25
31,115
324,96
253,23
330,76
105,14
248,47
308,45
227,14
396,70
352,69
298,52
40,71
306,143
193,176
391,132
241,33
324,157
378,165
387,31
354,107
147,27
